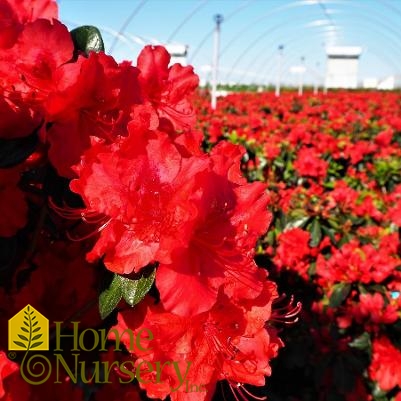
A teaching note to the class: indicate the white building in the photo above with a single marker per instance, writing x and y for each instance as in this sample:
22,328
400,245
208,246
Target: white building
342,66
370,83
390,83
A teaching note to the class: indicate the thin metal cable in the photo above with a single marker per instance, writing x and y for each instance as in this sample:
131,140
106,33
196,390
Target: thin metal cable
186,19
210,33
126,23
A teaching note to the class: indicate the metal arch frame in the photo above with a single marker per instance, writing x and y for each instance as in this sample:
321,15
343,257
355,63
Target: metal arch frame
186,19
394,46
295,4
388,61
387,30
289,61
127,22
263,34
210,33
381,58
275,28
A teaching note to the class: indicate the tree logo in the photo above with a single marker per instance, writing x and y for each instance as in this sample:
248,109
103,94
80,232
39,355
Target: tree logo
28,330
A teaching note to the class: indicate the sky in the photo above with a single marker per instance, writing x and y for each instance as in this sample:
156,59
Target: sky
250,34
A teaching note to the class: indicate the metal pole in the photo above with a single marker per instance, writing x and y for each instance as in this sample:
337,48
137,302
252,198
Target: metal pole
279,68
218,19
301,77
316,86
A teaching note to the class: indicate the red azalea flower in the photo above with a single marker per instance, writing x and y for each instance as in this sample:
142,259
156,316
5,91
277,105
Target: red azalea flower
167,88
93,97
299,134
15,13
148,193
228,342
373,308
357,151
30,10
343,196
293,251
12,386
384,138
142,187
394,210
357,263
28,71
385,367
309,164
36,59
231,215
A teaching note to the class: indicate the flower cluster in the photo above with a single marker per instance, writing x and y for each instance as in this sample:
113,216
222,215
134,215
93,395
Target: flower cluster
332,165
103,177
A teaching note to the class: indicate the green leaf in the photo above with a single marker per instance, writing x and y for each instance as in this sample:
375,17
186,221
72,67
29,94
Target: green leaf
110,297
20,344
297,223
36,330
378,288
312,269
22,337
362,342
24,330
36,344
132,290
340,292
362,289
135,290
316,233
34,323
330,233
87,39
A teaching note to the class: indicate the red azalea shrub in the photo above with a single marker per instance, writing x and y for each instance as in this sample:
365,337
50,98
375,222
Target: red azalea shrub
106,193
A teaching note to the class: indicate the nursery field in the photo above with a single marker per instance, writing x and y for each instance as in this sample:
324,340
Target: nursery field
332,164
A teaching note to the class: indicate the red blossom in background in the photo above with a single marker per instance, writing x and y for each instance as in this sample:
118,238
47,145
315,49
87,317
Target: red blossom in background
385,367
293,250
356,263
331,164
373,308
309,164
